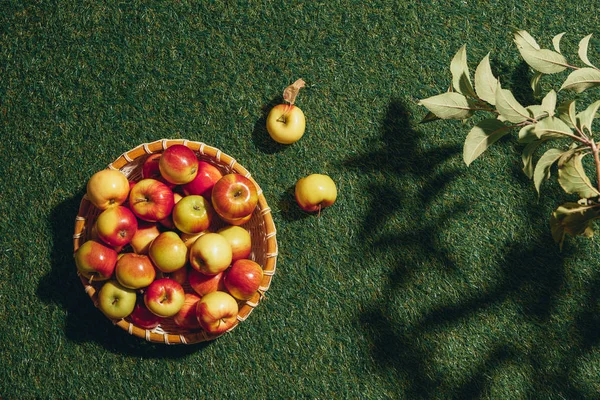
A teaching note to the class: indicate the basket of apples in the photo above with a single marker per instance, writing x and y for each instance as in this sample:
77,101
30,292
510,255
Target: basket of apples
175,242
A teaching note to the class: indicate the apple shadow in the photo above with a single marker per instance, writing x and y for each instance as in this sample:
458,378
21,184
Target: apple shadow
260,135
83,321
290,210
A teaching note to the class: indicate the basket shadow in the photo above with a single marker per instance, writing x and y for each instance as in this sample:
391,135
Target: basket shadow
532,273
84,322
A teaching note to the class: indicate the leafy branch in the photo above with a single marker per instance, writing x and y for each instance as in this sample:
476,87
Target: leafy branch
550,122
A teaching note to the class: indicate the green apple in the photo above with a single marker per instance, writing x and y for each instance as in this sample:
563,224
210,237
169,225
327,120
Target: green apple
192,214
168,252
115,300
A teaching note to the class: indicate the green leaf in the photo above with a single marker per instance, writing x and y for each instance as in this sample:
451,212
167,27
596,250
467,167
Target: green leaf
583,50
527,157
509,107
485,81
535,84
481,136
544,60
556,41
581,79
461,80
525,40
542,168
536,111
574,219
566,112
586,117
549,103
449,105
552,128
572,176
527,134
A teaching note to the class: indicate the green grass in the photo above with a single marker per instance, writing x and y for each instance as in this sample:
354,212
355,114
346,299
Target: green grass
426,279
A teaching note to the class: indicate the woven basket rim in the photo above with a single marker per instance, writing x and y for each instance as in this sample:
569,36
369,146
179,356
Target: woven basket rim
262,217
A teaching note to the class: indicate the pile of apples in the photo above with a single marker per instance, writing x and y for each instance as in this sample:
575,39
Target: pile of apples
179,226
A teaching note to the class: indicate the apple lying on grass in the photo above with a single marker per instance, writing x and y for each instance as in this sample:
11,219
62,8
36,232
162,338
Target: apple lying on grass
95,261
217,312
315,192
286,122
178,164
115,300
107,188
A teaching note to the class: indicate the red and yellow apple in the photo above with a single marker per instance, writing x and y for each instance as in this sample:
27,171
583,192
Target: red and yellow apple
143,318
315,192
180,276
151,200
192,214
95,261
178,164
204,181
134,271
234,196
168,252
204,284
210,254
168,221
240,240
243,279
186,317
164,297
115,300
116,226
107,188
286,123
217,312
145,234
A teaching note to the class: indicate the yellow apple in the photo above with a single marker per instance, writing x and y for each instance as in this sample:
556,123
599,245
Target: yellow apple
107,188
315,192
210,254
286,123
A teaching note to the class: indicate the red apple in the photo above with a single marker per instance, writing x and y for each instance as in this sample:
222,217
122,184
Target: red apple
145,234
210,254
240,240
236,221
192,214
164,297
107,188
116,226
150,169
234,196
204,181
151,200
217,312
243,279
178,164
143,318
168,221
180,276
204,284
135,271
186,317
95,261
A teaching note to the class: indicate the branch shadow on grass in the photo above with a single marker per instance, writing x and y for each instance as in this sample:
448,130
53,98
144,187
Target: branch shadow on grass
84,322
532,274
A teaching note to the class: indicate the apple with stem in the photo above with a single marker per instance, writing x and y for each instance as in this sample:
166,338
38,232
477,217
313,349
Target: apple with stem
205,179
217,312
134,271
286,122
95,261
151,200
168,252
243,279
192,214
186,317
240,240
315,192
115,300
178,164
116,226
204,284
210,254
234,196
107,188
164,297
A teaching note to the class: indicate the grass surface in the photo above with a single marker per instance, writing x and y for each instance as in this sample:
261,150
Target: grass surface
427,279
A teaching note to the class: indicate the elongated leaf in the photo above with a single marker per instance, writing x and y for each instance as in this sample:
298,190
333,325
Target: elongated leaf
525,40
481,136
536,111
544,60
527,157
566,112
572,176
542,168
574,219
549,103
535,84
449,105
556,41
527,134
509,107
461,79
586,117
485,81
583,50
581,79
552,128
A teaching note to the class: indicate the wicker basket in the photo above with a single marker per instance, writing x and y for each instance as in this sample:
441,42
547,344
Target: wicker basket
260,226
